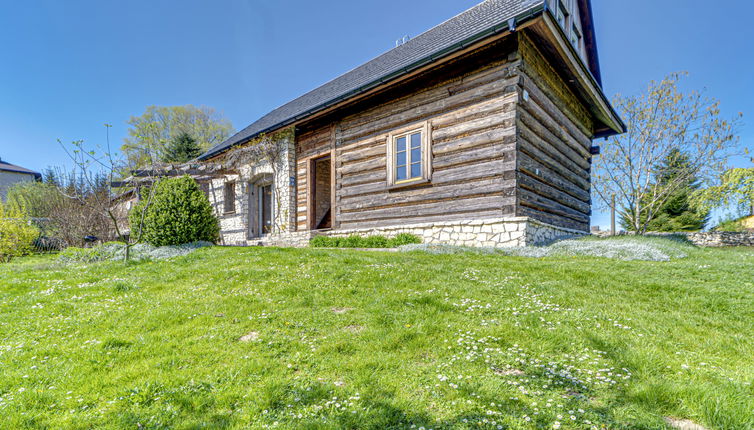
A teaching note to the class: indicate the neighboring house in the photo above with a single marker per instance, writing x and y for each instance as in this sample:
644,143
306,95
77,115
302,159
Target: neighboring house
476,132
11,174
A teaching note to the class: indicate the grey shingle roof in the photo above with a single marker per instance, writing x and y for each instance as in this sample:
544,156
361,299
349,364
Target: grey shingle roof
7,167
478,22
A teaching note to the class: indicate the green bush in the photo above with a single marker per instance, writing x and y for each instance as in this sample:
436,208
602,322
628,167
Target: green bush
355,241
179,213
17,235
405,239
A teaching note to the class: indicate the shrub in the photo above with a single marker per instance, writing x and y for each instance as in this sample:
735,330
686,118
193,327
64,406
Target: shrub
355,241
17,235
405,239
179,213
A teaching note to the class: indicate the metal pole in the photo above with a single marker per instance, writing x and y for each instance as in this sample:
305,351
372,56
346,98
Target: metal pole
612,216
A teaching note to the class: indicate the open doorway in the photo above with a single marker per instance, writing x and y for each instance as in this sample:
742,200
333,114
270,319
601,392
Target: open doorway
320,192
260,209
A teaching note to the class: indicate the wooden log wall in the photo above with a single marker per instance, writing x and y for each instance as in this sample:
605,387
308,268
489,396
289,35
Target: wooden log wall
472,118
495,152
554,133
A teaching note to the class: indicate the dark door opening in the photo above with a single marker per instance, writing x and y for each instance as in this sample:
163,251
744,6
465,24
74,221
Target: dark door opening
265,209
320,203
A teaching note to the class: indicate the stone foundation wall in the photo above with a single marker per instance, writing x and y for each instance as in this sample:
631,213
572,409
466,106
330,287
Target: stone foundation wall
492,233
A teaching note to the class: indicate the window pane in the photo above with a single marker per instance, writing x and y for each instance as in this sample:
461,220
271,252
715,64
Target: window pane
416,140
416,170
400,159
416,155
400,173
400,144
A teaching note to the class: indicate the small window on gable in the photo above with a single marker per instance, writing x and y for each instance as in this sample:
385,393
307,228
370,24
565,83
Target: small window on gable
563,13
409,156
576,38
229,197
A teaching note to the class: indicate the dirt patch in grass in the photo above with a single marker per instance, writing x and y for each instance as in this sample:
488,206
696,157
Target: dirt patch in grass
341,311
251,337
683,424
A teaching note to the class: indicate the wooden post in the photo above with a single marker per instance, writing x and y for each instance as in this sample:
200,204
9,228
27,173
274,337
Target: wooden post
612,216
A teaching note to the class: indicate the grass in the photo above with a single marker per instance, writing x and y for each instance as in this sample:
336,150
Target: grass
372,340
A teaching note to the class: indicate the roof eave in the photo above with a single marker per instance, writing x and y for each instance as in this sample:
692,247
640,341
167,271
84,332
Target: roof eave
604,109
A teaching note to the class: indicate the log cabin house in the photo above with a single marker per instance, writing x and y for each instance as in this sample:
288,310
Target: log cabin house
477,132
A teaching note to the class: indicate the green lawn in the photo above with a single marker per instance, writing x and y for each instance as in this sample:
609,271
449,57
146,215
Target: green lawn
349,339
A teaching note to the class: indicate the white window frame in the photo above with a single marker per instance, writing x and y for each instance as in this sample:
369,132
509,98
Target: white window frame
426,162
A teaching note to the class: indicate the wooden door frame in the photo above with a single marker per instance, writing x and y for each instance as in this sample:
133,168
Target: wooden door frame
311,188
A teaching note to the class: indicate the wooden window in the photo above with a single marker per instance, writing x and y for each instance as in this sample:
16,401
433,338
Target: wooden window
409,156
229,197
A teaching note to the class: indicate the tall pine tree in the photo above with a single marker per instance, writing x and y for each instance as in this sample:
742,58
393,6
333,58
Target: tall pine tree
182,149
677,213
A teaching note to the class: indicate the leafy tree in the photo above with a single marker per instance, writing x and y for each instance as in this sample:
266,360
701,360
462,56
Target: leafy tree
159,125
734,188
181,149
179,213
660,121
677,212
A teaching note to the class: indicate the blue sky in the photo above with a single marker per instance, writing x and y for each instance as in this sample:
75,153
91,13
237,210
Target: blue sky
69,67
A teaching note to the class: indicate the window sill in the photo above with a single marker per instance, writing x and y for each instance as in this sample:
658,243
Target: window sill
408,184
229,213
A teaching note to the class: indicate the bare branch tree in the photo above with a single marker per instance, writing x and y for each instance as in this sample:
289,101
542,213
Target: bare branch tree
660,121
107,163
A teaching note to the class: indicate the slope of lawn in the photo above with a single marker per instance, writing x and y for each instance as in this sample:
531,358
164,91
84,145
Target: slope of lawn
290,339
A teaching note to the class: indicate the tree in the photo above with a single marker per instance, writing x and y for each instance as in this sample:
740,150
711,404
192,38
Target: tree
660,121
66,207
735,187
677,213
181,149
159,125
180,213
99,170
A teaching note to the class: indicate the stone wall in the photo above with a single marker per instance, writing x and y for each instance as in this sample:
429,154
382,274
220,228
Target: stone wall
718,239
234,226
710,239
493,233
